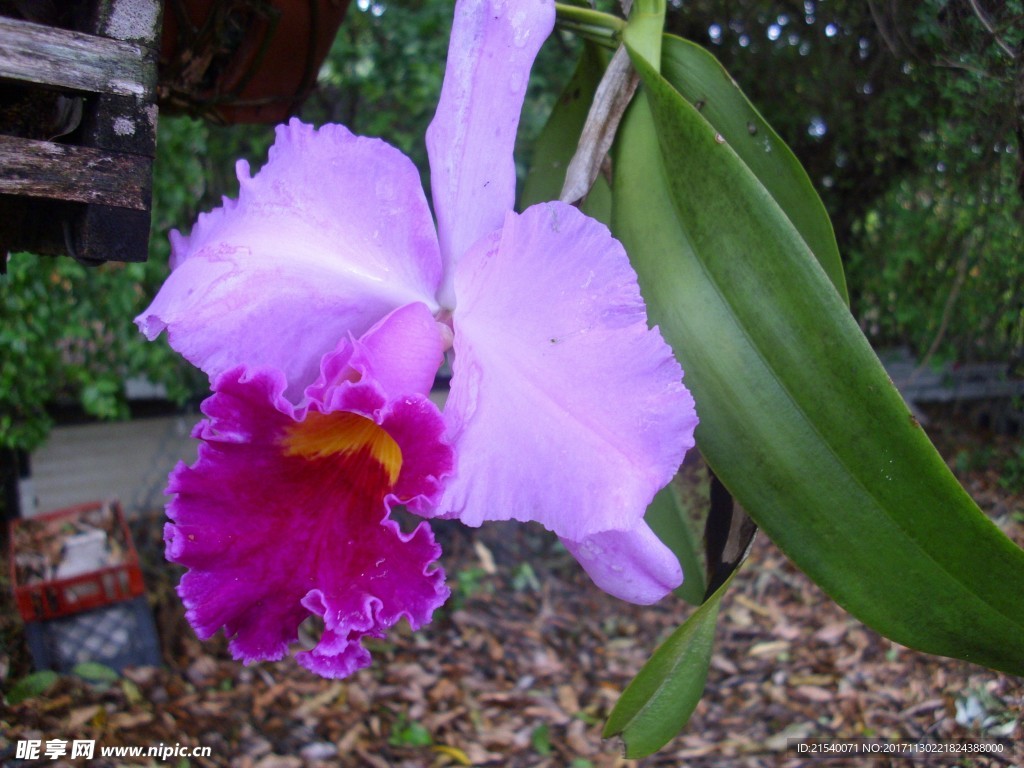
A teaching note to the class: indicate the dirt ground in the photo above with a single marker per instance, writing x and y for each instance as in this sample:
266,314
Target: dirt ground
524,663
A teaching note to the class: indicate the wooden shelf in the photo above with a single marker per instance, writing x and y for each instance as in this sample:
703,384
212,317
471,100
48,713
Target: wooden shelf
78,132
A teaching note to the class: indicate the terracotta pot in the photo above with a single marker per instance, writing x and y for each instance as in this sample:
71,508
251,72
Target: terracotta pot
244,61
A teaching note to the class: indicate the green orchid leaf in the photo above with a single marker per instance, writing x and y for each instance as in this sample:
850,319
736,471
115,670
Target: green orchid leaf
645,30
678,515
699,77
660,699
798,417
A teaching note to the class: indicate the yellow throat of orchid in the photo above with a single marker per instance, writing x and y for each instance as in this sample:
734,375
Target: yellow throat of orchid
326,435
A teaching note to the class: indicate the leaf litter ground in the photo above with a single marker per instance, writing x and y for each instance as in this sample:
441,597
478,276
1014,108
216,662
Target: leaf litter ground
524,663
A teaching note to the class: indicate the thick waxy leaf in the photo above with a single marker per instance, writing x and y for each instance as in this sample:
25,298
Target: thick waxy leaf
798,417
660,699
645,29
699,77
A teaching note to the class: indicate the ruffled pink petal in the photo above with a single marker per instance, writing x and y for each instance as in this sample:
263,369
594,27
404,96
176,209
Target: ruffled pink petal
565,408
332,234
272,533
470,141
401,353
633,565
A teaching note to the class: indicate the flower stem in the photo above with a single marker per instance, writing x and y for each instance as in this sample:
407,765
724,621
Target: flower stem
601,28
650,7
645,29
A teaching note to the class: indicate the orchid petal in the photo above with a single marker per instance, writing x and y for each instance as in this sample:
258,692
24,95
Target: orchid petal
564,408
401,353
281,518
470,141
631,565
332,234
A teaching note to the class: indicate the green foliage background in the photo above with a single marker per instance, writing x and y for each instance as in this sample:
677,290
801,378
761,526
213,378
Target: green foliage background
917,165
66,331
904,115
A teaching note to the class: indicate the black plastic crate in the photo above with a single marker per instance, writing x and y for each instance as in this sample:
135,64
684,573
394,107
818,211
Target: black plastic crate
119,635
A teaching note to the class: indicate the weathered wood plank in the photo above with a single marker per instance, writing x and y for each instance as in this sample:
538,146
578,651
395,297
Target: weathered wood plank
136,21
32,224
82,174
36,53
949,383
90,233
956,391
120,124
104,234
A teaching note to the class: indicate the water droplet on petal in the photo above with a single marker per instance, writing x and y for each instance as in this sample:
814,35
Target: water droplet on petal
520,30
591,548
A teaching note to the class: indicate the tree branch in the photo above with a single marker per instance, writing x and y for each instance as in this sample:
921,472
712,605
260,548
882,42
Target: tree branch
987,24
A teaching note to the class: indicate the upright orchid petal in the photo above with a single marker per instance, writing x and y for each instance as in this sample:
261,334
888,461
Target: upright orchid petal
332,234
471,138
564,407
285,515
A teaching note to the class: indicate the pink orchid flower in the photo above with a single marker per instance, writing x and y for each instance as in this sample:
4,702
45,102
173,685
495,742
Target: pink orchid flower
321,303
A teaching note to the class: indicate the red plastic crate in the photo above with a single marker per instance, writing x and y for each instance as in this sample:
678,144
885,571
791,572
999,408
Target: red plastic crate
39,598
